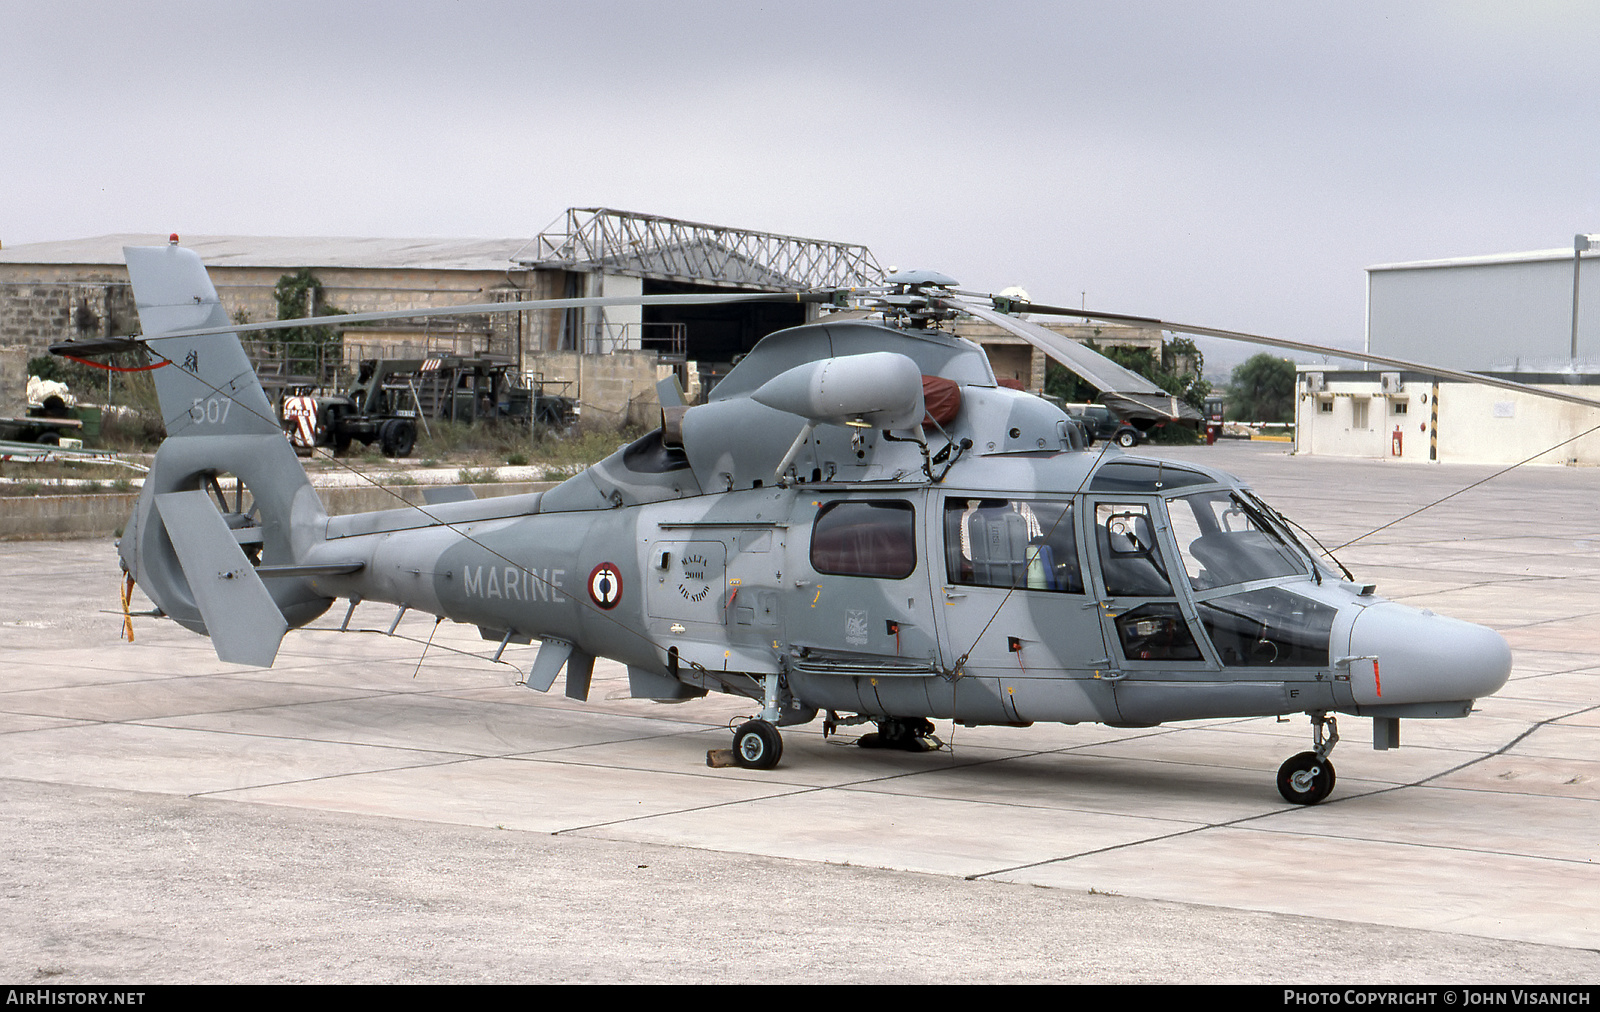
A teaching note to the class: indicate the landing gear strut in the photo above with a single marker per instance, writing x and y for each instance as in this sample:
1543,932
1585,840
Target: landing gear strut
1307,778
757,745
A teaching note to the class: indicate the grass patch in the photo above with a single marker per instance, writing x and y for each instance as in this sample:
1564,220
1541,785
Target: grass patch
491,446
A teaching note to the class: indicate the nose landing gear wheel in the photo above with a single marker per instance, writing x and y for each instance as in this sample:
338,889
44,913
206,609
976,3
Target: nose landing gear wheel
1305,779
757,745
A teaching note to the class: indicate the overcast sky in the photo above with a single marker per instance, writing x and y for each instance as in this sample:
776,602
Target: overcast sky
1232,165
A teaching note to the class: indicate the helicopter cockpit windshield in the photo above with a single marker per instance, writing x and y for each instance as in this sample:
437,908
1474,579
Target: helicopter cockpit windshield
1238,564
1225,540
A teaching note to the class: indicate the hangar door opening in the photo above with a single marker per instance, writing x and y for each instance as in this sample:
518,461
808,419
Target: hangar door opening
713,337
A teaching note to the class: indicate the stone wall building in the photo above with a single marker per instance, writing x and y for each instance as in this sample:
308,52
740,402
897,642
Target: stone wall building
608,358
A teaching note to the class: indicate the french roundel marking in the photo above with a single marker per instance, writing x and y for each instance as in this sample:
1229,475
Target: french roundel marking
605,585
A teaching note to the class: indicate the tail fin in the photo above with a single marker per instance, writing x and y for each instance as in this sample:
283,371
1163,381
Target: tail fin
210,388
219,423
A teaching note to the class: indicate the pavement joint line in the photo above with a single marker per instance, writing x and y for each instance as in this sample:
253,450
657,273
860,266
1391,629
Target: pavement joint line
149,722
153,681
1550,621
1503,749
517,754
1456,848
220,792
1226,824
711,806
801,790
1424,782
863,785
1506,580
169,716
1501,792
1580,669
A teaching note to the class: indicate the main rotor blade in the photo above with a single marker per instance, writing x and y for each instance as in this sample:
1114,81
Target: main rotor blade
1442,372
1130,389
480,308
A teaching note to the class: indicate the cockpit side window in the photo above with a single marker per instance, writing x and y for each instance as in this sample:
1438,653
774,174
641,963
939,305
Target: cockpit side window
1224,542
1130,559
1133,565
854,538
1012,543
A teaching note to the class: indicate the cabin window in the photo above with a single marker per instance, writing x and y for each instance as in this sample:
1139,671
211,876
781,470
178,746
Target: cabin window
852,538
1021,544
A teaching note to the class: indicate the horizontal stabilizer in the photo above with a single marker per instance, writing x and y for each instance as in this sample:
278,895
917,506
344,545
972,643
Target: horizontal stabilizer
241,618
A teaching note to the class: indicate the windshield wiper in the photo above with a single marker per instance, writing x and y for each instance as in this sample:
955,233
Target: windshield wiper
1286,524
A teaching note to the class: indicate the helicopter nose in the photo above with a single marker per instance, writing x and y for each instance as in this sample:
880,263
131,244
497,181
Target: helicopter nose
1423,657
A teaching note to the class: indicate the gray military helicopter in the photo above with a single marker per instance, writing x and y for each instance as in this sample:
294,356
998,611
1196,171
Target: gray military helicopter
860,522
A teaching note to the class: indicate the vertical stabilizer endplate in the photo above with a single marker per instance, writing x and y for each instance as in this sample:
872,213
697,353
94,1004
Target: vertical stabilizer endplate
241,618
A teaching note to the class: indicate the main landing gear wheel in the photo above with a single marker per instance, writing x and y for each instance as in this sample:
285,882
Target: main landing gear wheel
757,745
1305,779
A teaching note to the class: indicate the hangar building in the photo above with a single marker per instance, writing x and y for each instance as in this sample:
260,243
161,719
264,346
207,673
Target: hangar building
610,359
1528,317
1507,313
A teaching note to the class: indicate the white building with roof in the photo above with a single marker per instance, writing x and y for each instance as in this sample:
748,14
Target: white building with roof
1531,318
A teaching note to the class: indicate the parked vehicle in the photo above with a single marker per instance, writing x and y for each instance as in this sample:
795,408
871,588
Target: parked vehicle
1100,422
390,396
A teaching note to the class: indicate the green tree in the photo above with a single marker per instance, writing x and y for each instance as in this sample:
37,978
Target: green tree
1177,372
304,348
1262,390
79,378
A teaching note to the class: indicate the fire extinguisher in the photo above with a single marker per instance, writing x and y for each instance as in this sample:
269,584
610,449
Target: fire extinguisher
1397,443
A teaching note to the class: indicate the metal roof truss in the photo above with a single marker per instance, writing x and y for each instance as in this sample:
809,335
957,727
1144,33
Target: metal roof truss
650,246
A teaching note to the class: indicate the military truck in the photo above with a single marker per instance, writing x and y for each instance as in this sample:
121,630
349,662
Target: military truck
391,395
